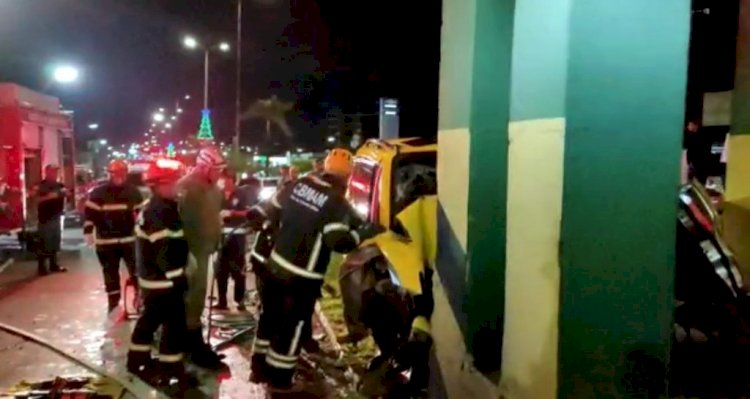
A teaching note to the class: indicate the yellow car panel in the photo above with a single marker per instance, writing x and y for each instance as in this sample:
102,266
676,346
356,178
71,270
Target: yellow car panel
407,256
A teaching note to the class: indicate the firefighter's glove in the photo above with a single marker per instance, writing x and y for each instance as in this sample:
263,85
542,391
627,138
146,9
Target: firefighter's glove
369,230
89,240
180,283
424,303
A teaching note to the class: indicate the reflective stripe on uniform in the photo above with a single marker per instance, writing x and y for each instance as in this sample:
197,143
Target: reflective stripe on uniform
295,339
155,284
315,254
93,205
114,207
355,235
260,210
259,257
275,202
88,223
141,205
319,181
231,230
115,292
159,235
175,273
140,348
260,346
330,227
290,267
109,241
170,358
280,361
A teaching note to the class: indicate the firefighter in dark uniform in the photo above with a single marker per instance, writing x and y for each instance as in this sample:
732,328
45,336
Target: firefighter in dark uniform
232,256
162,254
51,204
110,214
314,219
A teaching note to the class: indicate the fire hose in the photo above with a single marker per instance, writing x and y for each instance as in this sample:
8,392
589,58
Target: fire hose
27,336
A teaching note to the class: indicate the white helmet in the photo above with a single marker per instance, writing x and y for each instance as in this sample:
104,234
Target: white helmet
210,157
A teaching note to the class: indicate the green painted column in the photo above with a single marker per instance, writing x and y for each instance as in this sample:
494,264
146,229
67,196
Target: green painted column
738,165
488,180
625,108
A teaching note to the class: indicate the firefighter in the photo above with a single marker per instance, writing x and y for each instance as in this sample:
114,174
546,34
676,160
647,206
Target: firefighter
200,205
232,256
162,258
51,203
110,212
314,219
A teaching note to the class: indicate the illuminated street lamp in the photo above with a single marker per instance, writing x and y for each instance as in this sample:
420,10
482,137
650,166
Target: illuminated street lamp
65,74
191,43
93,126
167,125
158,117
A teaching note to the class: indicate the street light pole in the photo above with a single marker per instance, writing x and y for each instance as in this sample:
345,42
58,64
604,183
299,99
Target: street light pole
238,101
205,79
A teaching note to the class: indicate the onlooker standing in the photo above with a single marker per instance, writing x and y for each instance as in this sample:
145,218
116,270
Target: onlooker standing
51,203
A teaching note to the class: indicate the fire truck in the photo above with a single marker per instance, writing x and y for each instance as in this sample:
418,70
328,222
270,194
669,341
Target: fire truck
34,132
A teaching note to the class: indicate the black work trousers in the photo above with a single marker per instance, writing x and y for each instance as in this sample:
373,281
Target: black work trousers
231,263
163,308
110,256
284,324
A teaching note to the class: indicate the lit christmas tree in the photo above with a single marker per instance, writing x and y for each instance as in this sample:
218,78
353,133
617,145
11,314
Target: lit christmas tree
171,151
205,132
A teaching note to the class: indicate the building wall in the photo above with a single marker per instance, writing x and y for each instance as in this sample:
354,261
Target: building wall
535,172
454,371
557,189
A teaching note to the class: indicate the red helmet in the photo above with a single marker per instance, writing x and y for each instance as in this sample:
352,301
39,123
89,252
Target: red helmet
210,157
163,171
117,165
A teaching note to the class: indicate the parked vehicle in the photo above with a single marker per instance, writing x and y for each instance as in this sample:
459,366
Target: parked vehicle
34,132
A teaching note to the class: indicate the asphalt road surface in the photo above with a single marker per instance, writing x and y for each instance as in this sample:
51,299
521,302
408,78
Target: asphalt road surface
69,310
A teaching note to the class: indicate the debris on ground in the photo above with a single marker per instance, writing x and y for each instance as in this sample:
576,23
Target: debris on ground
83,387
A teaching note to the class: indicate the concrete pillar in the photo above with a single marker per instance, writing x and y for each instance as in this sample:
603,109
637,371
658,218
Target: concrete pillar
558,167
624,114
535,175
736,215
738,165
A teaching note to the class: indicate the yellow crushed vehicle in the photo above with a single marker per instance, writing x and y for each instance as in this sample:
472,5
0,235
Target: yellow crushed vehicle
394,183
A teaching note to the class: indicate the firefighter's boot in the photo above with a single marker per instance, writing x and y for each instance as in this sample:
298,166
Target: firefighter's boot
55,267
174,380
258,369
201,353
113,302
41,267
142,366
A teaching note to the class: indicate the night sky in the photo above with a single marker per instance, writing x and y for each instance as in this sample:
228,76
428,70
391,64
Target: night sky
320,54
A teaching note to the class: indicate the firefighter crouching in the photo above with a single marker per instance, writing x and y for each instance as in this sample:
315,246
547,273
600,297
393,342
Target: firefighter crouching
110,214
162,257
200,203
232,255
314,219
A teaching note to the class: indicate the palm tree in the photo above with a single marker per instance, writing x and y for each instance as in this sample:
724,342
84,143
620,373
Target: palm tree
273,111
